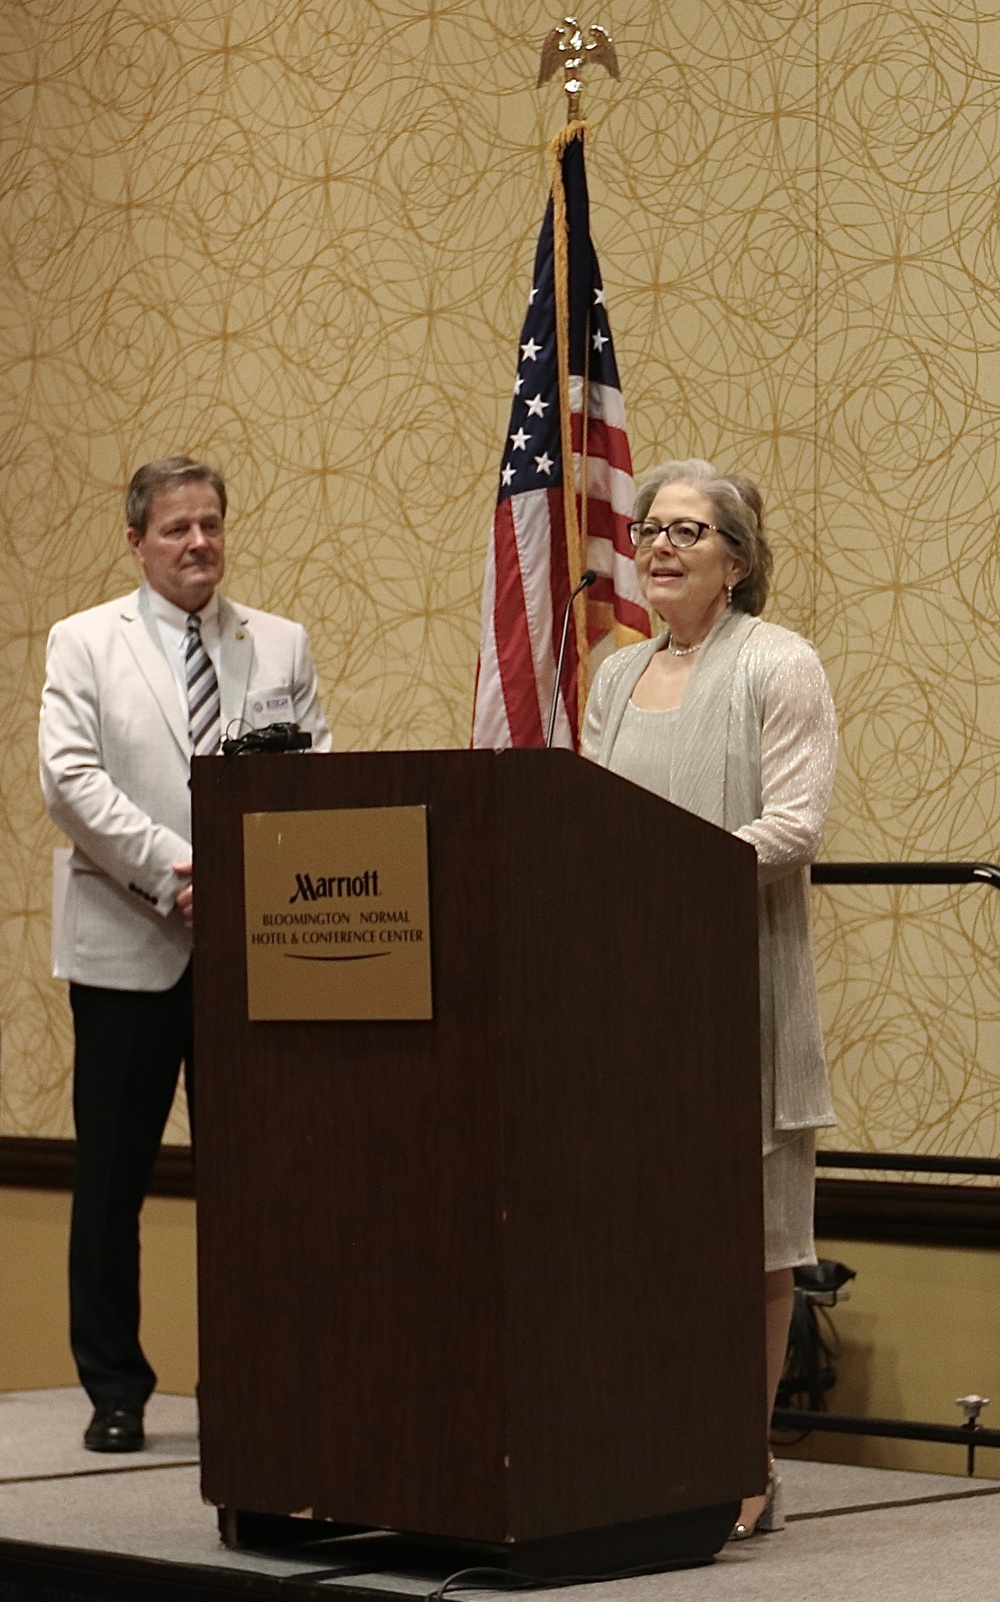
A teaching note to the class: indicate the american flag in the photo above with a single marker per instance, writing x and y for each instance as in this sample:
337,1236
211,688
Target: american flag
546,531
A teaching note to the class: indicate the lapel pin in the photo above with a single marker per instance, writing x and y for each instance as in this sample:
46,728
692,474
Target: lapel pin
239,634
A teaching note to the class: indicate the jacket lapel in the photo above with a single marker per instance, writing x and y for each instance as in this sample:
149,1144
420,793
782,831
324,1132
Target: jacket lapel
138,627
235,662
702,736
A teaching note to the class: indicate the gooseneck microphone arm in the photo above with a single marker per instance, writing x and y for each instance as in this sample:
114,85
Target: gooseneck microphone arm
587,578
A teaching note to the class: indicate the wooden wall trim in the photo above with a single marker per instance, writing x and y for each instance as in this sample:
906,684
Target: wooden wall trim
908,1214
30,1163
846,1209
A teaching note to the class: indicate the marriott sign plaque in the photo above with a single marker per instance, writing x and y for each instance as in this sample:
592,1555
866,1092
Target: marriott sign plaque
337,915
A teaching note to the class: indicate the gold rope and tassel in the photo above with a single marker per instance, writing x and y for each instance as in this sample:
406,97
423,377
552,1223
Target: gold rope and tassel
575,550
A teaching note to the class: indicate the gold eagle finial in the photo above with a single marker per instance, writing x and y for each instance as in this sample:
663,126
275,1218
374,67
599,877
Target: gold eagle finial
565,47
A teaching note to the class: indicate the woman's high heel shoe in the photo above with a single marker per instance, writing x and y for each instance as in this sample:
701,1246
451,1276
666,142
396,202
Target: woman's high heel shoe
771,1516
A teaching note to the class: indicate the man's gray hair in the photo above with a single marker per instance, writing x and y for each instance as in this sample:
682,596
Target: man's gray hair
738,510
156,476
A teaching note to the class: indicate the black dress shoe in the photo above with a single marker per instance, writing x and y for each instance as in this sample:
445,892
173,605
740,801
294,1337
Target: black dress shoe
115,1428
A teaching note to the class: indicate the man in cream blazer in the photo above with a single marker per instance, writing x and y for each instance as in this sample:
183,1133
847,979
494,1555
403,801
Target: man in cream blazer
132,689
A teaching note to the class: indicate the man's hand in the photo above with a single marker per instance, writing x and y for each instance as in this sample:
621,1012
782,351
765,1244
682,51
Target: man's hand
184,900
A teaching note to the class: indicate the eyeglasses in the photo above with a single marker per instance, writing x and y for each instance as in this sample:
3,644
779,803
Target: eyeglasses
682,535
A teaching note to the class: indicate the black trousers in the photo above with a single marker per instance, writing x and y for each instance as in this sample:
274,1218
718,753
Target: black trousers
129,1048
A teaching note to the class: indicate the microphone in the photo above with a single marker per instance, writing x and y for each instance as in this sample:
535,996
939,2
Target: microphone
587,578
276,737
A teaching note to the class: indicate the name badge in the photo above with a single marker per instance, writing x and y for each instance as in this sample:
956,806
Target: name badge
270,706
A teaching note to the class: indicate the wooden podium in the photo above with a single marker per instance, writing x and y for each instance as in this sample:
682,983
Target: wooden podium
494,1277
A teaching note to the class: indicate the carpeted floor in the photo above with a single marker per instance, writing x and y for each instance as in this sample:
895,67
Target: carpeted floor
854,1535
41,1436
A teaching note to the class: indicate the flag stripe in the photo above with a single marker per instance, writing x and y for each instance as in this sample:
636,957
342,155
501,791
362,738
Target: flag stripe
605,401
614,486
609,444
512,635
559,587
490,725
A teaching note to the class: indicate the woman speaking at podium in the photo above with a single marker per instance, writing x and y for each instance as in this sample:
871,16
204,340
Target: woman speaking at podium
732,718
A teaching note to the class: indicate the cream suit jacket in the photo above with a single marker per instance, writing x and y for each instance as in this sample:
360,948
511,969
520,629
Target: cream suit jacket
114,758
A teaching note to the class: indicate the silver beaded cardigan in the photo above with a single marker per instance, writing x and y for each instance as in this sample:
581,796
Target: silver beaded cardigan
754,751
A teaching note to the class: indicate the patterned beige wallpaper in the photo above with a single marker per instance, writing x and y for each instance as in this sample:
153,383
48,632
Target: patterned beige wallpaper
908,424
298,240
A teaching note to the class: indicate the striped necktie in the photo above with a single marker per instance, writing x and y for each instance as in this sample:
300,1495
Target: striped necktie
204,722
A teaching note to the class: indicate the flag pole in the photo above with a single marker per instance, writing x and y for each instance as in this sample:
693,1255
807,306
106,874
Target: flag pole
565,47
583,659
560,259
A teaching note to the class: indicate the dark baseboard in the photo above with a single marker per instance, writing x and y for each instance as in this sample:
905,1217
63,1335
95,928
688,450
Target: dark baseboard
28,1163
846,1209
908,1214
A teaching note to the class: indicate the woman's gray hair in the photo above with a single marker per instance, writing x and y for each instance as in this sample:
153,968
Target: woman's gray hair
738,510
